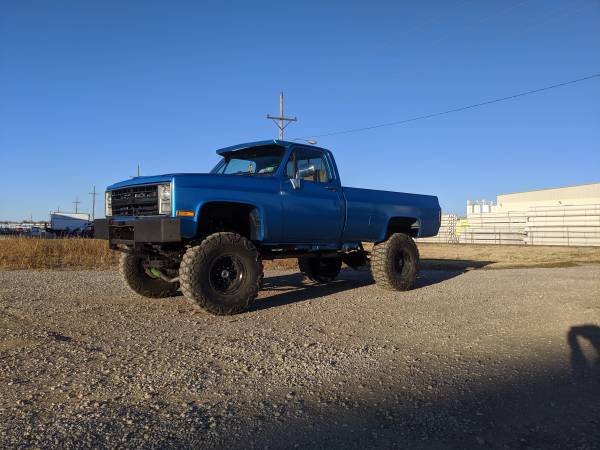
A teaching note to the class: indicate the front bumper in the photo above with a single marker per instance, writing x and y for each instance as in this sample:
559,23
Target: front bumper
138,230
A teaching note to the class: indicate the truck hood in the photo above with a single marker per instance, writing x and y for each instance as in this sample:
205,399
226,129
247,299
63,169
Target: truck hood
197,180
152,179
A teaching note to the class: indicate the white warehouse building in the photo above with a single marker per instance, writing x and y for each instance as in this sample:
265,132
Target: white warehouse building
556,216
582,194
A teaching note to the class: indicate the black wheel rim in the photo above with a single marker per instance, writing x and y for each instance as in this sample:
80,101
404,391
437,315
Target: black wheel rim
399,262
226,274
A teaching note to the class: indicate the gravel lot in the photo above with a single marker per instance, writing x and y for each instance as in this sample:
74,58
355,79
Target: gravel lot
483,359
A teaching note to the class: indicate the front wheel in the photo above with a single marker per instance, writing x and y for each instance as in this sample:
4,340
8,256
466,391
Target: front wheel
395,262
223,274
141,281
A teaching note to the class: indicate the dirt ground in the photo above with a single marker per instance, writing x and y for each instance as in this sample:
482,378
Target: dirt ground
505,256
468,359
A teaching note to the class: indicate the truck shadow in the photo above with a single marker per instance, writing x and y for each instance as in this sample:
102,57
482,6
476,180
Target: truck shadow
293,287
462,265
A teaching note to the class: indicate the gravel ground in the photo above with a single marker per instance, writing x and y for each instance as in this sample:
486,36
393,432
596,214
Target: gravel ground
483,359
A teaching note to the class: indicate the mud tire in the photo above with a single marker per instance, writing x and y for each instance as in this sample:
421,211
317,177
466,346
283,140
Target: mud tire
135,276
320,270
223,274
395,262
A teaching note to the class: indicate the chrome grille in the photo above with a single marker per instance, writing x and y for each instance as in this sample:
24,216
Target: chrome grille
135,201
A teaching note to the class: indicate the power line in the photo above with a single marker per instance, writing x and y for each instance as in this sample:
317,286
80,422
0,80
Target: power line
449,111
431,19
482,20
549,16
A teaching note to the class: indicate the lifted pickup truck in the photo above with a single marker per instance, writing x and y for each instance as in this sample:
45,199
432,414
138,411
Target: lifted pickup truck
207,234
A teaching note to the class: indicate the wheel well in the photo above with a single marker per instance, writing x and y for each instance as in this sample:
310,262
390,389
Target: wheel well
240,218
406,225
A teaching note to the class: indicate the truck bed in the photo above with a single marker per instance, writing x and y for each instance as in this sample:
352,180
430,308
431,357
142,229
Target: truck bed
368,212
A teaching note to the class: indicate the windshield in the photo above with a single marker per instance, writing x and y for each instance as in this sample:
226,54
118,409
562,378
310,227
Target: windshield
254,161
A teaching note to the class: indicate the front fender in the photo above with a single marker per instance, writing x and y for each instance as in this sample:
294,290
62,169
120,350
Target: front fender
190,225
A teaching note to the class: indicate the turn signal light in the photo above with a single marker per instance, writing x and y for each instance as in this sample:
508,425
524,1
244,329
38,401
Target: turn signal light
185,213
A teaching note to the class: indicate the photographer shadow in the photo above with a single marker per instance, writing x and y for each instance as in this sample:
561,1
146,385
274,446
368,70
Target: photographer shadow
582,368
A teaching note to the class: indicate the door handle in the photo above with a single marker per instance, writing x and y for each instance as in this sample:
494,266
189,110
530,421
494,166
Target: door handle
331,188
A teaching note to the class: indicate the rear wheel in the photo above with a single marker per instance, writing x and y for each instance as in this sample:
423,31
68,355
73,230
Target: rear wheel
321,270
395,262
223,274
140,279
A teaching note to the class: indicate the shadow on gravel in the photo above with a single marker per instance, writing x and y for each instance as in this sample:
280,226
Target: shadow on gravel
462,265
292,288
537,408
582,368
540,409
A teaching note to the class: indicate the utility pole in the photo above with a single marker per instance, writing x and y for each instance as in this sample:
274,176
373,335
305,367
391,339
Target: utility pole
279,121
94,195
138,171
76,203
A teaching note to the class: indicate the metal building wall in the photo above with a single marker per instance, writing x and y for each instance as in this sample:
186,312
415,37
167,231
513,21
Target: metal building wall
560,216
583,194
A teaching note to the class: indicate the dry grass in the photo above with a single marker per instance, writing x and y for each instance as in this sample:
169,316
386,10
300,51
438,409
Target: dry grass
505,256
23,253
27,253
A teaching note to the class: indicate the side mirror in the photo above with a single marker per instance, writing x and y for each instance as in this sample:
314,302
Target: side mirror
307,172
300,174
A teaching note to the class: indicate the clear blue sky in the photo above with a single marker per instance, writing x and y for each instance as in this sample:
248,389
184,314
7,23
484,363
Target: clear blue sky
90,88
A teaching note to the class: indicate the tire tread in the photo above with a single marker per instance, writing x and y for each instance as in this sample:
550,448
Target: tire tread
310,270
382,265
142,284
195,259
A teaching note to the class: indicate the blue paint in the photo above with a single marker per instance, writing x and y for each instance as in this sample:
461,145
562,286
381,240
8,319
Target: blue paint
324,214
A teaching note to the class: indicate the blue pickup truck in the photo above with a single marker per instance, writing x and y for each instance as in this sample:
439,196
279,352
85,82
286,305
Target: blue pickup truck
207,234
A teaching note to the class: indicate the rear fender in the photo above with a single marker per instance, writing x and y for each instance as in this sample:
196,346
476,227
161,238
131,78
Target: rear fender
404,224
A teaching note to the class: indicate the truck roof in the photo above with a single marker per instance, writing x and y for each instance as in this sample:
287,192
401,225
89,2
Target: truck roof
246,145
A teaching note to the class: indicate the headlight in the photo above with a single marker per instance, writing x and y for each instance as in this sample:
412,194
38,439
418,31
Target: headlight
107,204
164,199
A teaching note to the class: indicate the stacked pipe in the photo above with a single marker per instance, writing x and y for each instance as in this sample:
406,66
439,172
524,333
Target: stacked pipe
495,228
447,233
563,225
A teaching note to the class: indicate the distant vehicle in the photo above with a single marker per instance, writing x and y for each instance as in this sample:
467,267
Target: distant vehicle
36,232
208,233
70,221
86,232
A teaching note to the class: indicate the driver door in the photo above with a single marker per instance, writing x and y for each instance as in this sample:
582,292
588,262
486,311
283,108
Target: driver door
313,205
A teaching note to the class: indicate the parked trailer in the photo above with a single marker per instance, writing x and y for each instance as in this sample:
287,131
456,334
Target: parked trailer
63,222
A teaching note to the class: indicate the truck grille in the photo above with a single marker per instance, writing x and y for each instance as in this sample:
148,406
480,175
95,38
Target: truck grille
135,201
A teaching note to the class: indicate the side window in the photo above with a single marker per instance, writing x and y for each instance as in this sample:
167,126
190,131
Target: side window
303,159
